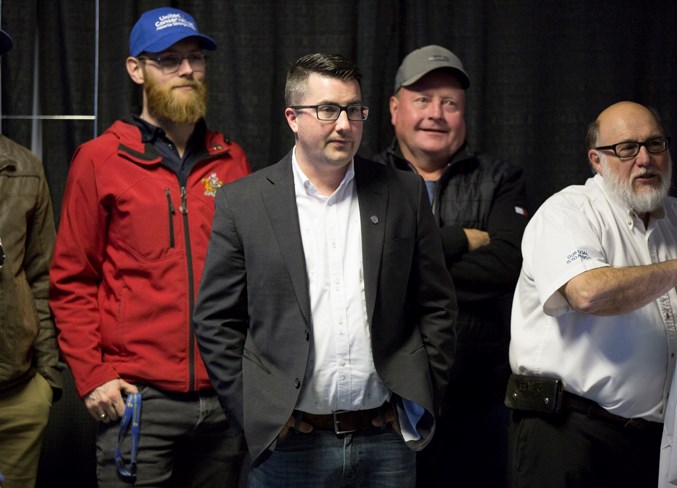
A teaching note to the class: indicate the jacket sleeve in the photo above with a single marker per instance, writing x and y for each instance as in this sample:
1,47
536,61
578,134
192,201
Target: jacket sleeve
39,246
491,270
220,313
76,274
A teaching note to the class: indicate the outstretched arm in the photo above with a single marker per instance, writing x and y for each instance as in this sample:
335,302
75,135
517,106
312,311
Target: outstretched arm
615,291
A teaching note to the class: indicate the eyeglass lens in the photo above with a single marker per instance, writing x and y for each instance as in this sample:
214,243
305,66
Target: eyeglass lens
630,149
172,62
333,112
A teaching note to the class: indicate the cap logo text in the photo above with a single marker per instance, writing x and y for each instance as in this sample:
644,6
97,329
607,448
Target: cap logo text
173,20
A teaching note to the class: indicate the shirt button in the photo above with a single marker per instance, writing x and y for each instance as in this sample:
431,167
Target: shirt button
297,383
307,335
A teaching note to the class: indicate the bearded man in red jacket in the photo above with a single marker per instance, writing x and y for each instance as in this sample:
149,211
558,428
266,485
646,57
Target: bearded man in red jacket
136,219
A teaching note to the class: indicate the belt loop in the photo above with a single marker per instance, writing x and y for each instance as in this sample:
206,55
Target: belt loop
298,417
382,410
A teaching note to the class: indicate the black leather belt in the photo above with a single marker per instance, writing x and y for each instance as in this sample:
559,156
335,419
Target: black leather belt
543,395
345,421
575,403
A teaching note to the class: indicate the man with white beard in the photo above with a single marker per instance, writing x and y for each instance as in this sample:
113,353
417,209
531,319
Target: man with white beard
136,219
593,325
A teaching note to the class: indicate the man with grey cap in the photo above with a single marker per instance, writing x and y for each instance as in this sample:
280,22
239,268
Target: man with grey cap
30,376
480,206
136,219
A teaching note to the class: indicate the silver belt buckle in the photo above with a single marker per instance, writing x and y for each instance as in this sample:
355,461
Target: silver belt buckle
337,423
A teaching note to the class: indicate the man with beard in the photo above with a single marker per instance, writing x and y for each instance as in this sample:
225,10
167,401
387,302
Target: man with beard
136,220
594,335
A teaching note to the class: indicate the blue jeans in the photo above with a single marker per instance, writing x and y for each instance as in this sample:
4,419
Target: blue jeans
183,443
373,458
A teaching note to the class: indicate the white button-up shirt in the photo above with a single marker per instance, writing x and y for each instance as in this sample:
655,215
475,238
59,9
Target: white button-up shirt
624,362
340,373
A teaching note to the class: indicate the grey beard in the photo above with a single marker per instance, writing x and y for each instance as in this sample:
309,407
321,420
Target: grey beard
645,202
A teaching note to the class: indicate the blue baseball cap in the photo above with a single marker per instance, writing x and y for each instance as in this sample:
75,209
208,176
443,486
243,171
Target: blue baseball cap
160,28
5,42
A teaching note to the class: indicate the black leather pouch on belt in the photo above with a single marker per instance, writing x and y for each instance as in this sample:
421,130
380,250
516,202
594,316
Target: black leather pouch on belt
534,393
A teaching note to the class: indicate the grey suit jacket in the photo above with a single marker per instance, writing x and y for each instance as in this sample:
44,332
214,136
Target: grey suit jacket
252,314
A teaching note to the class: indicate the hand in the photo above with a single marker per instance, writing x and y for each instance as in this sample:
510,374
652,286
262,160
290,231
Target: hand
390,421
304,427
476,238
105,403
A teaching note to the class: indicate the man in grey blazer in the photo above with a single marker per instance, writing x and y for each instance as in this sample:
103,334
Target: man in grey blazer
326,315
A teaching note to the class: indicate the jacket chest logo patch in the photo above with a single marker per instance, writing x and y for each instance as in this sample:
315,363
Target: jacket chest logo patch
212,183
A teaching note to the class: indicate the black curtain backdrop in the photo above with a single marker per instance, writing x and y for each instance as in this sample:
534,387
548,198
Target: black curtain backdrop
539,70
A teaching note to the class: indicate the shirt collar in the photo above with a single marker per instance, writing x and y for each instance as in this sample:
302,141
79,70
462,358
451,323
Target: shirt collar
463,153
301,181
151,133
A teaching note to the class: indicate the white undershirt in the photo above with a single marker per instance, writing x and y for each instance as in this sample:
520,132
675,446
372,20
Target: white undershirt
340,374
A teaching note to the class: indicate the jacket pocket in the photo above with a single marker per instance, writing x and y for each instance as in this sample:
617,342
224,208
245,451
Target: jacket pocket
144,221
254,358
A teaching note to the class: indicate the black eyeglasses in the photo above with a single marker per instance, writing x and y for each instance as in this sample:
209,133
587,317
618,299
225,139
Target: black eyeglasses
332,111
630,149
170,63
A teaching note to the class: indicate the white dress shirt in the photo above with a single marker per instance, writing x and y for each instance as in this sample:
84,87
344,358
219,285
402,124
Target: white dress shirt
624,362
340,373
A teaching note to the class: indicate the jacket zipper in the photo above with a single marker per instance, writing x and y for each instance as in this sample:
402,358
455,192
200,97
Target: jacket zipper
170,206
183,208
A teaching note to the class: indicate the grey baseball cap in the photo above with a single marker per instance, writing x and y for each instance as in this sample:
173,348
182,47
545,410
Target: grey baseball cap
422,61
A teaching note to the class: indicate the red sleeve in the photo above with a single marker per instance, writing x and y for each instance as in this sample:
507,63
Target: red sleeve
76,271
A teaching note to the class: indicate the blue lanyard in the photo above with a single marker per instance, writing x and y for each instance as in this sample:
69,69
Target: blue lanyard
132,415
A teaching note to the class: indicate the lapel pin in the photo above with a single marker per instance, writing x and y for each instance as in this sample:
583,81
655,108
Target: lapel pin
374,219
